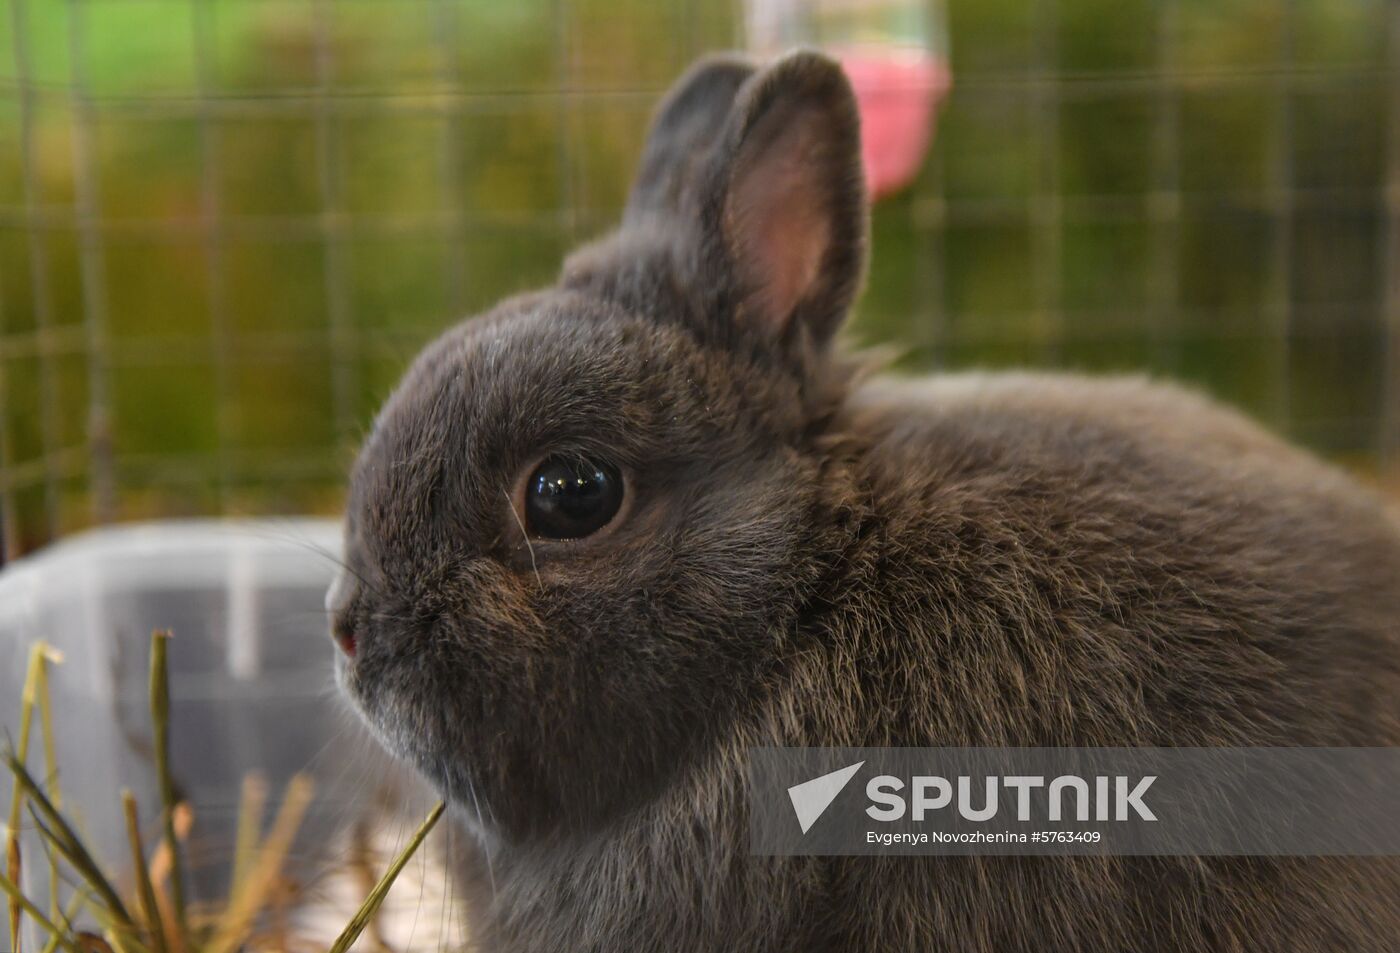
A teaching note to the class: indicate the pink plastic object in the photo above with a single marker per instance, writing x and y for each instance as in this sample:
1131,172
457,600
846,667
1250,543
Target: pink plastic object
895,53
896,92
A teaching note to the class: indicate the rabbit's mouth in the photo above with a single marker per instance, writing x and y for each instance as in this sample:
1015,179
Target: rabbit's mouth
342,630
347,683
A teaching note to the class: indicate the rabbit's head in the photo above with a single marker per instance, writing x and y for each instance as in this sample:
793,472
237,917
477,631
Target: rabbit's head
584,522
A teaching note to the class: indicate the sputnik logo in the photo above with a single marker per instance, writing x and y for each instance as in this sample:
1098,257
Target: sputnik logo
810,799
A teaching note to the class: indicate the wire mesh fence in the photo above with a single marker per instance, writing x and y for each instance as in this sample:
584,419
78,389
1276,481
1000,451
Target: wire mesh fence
226,225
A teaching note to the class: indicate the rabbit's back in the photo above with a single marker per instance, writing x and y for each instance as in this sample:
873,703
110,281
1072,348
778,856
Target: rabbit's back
1112,561
1068,415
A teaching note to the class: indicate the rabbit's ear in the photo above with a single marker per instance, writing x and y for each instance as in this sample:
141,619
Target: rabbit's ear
685,127
783,206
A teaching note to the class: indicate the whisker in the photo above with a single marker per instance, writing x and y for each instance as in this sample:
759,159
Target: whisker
485,841
526,536
310,546
448,897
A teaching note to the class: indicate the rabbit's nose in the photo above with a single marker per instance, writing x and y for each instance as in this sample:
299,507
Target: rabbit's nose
338,599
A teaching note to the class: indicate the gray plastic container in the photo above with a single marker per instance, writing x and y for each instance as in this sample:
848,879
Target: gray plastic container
251,673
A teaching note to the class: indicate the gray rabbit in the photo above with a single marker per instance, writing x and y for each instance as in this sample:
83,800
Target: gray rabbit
609,536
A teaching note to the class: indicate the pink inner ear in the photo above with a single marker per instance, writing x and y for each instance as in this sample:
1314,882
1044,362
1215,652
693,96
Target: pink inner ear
780,222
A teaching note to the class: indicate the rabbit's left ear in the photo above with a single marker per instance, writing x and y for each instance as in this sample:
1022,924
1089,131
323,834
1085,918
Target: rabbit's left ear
685,127
784,213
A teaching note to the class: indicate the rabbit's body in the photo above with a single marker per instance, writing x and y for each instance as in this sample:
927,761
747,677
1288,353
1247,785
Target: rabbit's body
1114,562
608,538
1094,562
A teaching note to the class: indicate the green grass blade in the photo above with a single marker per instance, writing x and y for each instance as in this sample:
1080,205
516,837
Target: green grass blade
14,871
370,907
160,718
65,840
144,890
33,678
43,656
37,915
115,920
55,791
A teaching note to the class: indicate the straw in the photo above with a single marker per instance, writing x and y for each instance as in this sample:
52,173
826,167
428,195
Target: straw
56,939
263,875
250,809
144,891
370,907
164,926
160,873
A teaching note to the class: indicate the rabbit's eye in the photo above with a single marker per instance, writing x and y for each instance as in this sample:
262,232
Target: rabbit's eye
569,498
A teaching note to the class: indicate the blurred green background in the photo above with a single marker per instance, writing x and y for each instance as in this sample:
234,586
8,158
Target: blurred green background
226,225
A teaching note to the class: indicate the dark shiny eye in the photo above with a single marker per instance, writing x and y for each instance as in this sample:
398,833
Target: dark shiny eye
569,497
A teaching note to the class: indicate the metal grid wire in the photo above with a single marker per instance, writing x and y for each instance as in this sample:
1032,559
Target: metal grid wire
1252,269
